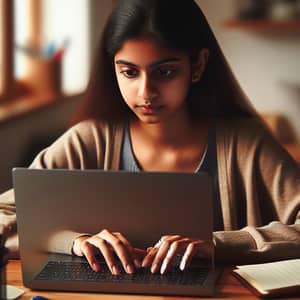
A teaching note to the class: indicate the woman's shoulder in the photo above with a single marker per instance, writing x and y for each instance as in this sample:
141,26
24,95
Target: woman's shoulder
83,146
243,126
246,133
88,125
94,127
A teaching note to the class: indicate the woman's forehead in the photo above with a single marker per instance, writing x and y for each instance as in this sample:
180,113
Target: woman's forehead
144,52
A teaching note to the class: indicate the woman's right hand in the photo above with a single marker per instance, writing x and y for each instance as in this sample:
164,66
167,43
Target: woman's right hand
109,244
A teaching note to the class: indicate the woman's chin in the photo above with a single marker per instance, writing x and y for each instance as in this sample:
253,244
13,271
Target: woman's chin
150,119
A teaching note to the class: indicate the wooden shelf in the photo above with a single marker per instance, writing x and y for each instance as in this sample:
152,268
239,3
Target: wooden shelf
23,106
264,25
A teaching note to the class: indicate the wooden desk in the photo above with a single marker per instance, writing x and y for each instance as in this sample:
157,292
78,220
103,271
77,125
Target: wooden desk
227,287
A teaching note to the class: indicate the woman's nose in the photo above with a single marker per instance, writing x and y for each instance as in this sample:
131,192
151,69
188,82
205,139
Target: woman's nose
147,88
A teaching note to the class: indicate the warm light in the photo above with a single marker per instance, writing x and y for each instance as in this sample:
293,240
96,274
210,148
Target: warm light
6,48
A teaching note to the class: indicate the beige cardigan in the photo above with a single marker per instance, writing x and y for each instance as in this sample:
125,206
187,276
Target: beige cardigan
259,187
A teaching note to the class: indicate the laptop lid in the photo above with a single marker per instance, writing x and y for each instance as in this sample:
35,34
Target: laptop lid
143,206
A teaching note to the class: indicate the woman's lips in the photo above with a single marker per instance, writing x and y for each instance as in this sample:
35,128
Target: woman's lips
150,109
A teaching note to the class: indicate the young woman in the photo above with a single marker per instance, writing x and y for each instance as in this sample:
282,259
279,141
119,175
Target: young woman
162,98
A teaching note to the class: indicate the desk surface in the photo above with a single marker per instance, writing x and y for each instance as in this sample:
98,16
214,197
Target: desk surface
228,287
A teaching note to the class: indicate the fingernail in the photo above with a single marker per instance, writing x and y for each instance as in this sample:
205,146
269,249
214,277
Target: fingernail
154,268
130,269
96,267
144,264
182,265
163,267
115,270
137,263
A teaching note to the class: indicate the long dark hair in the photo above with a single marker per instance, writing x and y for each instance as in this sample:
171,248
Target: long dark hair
177,25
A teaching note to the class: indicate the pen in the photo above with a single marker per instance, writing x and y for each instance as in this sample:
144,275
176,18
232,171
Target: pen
49,51
61,51
37,297
59,54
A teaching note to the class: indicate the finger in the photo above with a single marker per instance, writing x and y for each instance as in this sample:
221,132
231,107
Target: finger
153,252
135,258
107,253
191,250
77,244
176,248
140,253
160,255
148,259
120,249
170,238
90,252
123,239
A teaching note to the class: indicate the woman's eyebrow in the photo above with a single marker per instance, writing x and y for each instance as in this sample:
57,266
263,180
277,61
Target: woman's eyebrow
154,64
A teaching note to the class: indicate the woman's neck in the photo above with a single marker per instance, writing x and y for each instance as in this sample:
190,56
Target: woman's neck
169,134
169,146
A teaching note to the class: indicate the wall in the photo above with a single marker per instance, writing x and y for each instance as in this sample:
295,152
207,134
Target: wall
266,65
68,19
82,22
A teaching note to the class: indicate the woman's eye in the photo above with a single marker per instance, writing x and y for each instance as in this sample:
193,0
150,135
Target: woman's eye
164,73
129,73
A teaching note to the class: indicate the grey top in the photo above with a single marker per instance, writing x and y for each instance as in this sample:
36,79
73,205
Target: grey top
207,164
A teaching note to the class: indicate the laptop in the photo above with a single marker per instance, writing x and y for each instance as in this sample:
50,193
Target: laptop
143,206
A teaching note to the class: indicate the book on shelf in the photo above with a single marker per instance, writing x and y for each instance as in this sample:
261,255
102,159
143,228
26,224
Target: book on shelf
271,279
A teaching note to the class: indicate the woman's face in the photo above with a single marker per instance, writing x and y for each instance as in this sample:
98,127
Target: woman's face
153,81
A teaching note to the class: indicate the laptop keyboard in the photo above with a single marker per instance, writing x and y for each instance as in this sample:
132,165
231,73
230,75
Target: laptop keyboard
81,271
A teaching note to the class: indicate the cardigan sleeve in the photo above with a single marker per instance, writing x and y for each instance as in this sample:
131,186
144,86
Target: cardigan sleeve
81,147
275,241
264,195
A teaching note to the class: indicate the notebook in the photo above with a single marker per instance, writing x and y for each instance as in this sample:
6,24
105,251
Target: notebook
143,206
271,279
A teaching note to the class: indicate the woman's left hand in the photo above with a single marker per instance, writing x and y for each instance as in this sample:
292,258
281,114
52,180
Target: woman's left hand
170,247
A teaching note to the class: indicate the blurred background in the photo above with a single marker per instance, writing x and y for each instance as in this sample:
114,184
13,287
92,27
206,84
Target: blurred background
47,49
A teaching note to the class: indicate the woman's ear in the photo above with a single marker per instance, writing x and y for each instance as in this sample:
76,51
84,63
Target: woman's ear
199,65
